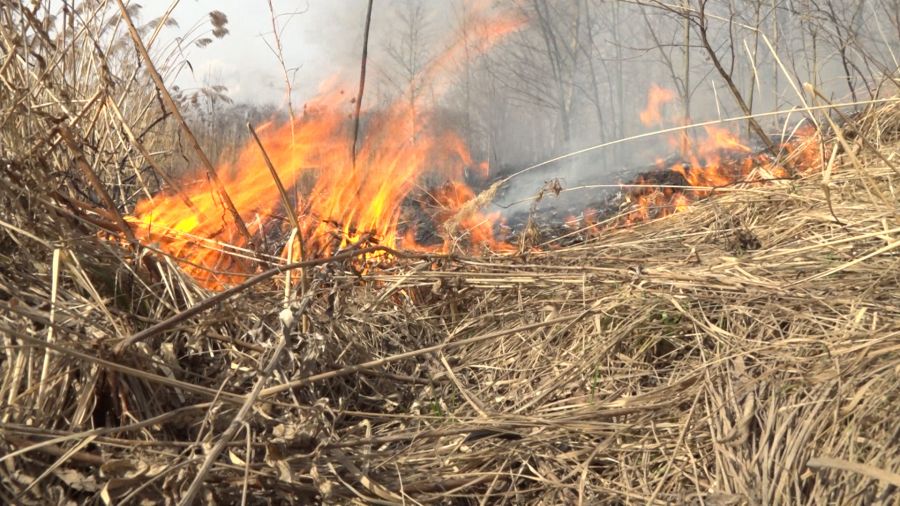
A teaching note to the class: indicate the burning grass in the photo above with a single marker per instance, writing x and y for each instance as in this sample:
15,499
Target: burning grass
741,352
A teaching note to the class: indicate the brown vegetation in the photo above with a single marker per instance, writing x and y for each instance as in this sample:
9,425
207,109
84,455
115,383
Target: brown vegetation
744,351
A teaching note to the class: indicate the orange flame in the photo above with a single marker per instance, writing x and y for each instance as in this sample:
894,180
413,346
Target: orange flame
658,97
474,228
337,203
717,159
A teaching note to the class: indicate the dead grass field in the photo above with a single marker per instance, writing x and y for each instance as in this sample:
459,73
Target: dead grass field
745,351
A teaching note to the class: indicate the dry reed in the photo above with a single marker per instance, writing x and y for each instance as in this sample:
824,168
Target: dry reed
745,351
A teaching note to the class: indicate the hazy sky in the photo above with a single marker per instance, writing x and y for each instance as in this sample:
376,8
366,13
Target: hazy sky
322,39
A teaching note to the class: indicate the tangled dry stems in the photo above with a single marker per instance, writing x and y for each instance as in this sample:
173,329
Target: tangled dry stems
659,363
742,352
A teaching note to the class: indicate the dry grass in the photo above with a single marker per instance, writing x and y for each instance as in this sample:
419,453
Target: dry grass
746,351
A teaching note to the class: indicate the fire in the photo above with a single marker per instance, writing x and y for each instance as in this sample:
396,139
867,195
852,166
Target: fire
716,158
337,203
657,97
471,228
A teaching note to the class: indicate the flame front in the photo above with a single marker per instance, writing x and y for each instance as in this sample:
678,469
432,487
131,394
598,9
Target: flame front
338,202
715,158
343,204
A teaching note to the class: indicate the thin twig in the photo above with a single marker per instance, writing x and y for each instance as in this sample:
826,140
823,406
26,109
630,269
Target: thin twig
259,278
362,81
95,182
171,185
287,323
288,210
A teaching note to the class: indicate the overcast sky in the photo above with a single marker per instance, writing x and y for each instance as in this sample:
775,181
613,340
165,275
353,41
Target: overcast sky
322,39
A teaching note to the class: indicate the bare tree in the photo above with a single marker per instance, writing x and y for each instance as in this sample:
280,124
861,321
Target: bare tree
277,49
409,54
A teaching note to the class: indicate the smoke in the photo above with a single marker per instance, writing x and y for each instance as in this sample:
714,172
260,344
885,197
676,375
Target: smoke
576,75
321,40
